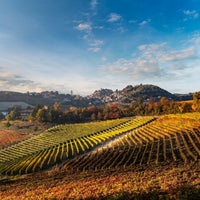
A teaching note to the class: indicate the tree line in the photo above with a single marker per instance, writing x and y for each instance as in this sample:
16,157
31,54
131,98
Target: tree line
55,114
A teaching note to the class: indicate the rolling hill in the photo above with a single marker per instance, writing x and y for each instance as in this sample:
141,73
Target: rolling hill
99,97
135,158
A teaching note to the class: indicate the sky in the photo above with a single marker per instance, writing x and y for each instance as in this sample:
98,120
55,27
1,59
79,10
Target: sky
85,45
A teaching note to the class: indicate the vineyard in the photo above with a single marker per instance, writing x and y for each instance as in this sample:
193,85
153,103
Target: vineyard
110,144
170,138
61,143
171,181
141,158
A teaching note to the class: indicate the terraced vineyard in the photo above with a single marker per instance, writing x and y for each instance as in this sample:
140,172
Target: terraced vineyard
170,138
62,143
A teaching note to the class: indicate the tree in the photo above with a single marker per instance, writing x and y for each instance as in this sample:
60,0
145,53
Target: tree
133,104
196,97
43,115
139,101
35,110
56,113
14,114
99,116
57,107
93,117
196,101
106,116
151,101
163,100
14,107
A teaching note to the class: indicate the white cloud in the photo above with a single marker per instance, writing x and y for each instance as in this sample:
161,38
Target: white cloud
188,12
93,4
177,66
103,58
85,36
193,14
184,54
135,68
13,82
79,84
84,27
162,53
95,46
196,15
133,54
113,17
142,47
96,49
145,22
98,27
97,43
154,61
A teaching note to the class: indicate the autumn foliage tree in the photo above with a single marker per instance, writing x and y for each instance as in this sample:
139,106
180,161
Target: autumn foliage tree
93,117
196,101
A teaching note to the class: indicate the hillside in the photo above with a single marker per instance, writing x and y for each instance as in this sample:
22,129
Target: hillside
130,93
141,158
102,96
44,98
169,181
136,141
146,91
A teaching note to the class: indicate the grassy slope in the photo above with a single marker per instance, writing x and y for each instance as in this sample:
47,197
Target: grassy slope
18,131
25,126
8,137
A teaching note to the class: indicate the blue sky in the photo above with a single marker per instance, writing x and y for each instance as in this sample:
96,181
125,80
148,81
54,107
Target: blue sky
84,45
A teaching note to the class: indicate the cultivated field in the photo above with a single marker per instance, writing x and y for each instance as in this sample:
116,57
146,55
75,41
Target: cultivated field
169,138
171,181
61,143
141,158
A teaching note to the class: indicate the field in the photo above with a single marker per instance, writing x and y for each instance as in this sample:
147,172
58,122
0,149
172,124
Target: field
141,158
170,138
8,137
18,131
164,181
61,143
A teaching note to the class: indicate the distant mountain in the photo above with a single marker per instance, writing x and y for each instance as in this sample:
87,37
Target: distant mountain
102,96
146,91
184,97
130,93
44,98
